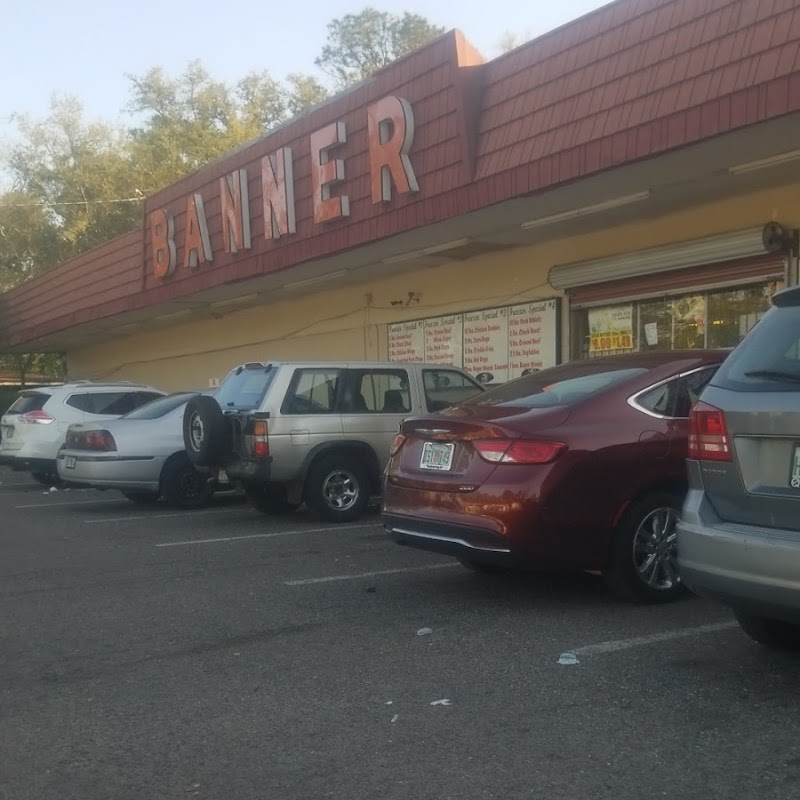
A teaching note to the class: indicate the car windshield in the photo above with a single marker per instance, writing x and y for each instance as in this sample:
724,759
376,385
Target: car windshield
245,387
156,409
768,359
559,386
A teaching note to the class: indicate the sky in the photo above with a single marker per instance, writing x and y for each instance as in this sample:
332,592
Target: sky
87,47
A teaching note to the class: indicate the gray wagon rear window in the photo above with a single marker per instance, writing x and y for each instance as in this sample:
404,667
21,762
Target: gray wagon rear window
768,359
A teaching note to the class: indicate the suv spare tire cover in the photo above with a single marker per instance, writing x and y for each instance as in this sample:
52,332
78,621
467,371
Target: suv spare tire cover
205,431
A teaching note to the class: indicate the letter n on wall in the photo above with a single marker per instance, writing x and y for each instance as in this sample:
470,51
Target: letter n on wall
235,202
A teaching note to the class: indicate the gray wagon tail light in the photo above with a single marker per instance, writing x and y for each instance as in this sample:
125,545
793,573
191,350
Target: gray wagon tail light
708,434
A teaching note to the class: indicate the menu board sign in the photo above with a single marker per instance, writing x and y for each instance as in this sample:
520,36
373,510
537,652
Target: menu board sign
443,340
532,337
503,343
407,342
486,343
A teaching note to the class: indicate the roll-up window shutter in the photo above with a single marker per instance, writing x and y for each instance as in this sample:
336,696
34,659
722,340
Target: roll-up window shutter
737,271
656,261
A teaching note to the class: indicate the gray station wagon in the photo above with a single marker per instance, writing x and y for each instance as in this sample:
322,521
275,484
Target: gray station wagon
739,537
315,432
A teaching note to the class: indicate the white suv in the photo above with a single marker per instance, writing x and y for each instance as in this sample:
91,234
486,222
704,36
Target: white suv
34,428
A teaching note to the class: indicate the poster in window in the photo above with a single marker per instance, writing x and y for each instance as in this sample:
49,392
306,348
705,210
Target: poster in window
532,337
486,343
610,329
443,340
407,342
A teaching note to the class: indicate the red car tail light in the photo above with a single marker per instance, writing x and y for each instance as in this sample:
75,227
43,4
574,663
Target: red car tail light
35,418
519,451
397,444
260,438
91,440
708,434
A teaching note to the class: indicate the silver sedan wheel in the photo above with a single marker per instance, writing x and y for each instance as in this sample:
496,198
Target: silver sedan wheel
341,490
654,549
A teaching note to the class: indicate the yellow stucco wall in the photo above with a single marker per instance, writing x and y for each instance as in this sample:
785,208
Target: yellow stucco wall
351,323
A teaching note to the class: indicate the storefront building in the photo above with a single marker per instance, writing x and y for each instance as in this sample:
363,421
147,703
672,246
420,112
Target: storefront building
627,182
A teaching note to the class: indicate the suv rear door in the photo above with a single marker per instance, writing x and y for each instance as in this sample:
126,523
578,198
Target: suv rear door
746,429
12,433
310,414
374,403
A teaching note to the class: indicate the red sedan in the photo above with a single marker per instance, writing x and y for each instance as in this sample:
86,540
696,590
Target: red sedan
580,467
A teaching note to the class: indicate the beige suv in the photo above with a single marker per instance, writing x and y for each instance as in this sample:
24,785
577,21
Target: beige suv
315,432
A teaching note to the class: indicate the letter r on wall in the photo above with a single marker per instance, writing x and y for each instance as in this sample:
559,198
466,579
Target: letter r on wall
390,124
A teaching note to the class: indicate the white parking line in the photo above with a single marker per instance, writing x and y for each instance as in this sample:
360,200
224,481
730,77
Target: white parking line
262,535
615,645
198,513
71,503
331,578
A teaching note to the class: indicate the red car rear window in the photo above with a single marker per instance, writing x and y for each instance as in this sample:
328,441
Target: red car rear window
559,386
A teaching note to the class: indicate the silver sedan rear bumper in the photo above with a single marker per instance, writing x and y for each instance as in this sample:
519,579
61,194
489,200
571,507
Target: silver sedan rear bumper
111,471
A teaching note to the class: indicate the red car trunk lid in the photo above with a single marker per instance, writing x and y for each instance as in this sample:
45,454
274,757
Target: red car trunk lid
451,438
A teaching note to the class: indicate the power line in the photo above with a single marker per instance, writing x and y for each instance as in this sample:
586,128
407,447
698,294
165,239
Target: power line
137,199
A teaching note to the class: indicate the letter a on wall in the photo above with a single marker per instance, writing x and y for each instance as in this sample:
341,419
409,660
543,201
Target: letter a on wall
196,241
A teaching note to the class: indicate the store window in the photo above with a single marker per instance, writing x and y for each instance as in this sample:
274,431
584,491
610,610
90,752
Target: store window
706,319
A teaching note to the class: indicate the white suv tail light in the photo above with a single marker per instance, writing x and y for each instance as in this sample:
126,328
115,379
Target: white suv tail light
35,418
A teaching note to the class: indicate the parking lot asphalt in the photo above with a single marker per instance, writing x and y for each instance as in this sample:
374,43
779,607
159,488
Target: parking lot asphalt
225,654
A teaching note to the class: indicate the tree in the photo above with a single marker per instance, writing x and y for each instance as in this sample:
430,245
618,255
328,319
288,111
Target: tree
192,119
29,240
511,41
358,45
305,91
78,174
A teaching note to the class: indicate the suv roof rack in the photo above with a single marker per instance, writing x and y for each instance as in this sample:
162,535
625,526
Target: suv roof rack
86,382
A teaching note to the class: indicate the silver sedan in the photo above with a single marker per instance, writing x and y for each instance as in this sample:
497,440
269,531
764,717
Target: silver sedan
141,454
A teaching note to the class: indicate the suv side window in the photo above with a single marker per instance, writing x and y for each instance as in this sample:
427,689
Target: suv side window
313,391
446,387
129,401
111,403
83,402
377,391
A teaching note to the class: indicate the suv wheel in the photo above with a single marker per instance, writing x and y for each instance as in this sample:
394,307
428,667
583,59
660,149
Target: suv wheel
643,565
773,633
182,486
205,431
269,499
337,488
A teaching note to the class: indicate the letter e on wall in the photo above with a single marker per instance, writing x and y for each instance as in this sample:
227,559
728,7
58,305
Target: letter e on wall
325,172
391,133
